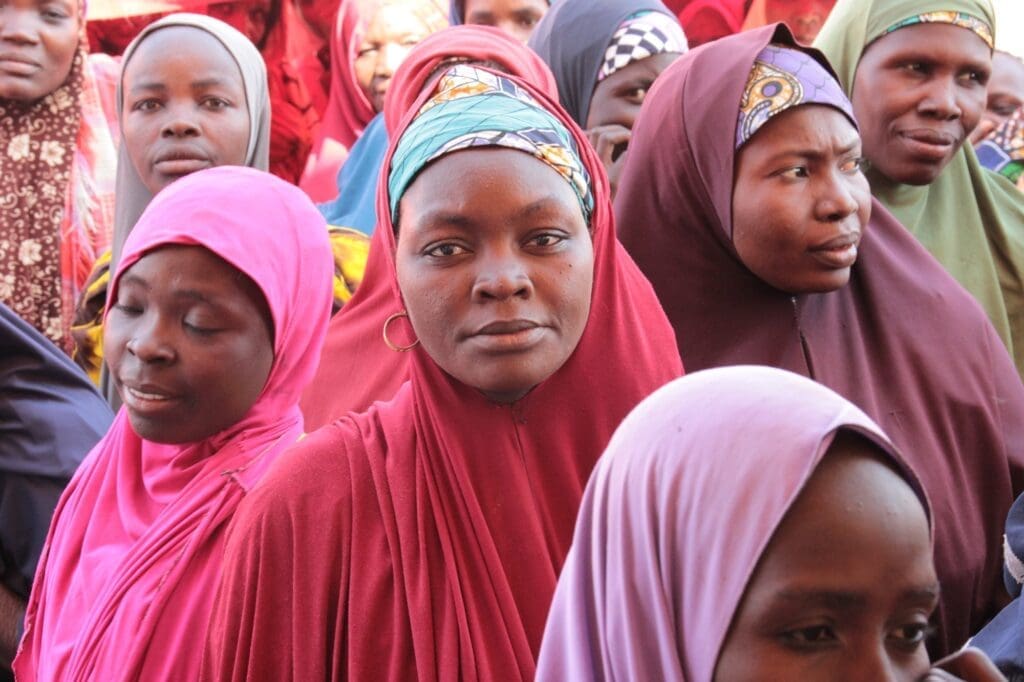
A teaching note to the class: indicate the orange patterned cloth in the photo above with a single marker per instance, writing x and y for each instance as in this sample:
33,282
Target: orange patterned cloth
57,165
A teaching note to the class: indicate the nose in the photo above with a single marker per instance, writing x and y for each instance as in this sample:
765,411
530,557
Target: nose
149,341
16,26
940,102
502,277
873,664
837,200
179,123
389,58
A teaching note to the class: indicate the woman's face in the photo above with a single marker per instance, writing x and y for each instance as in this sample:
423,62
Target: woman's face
250,17
918,93
846,586
184,106
804,17
38,41
800,202
517,18
496,267
1005,89
390,35
617,98
189,343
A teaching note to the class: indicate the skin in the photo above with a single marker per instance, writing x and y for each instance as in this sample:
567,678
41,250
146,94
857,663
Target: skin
184,106
319,16
390,35
38,41
918,93
495,237
251,17
518,18
845,587
195,334
800,202
1005,94
804,17
614,107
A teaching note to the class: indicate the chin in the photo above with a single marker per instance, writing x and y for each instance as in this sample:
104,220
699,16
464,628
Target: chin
917,174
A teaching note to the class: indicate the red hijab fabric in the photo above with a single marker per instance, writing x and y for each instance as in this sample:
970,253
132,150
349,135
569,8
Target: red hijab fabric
423,538
348,108
902,340
357,368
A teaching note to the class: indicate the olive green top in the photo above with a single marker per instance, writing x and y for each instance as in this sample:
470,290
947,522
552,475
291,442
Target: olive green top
970,219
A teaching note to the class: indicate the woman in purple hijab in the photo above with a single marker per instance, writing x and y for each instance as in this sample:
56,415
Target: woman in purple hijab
746,523
793,265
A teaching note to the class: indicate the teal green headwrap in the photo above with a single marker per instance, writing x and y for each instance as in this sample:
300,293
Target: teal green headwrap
476,108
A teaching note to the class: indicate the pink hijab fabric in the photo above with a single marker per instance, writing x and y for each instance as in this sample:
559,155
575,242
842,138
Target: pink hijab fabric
677,514
124,587
348,108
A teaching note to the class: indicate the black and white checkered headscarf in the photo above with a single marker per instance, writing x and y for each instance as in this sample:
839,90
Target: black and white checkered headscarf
641,36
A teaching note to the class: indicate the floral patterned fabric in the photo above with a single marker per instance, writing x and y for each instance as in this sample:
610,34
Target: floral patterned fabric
57,166
476,108
962,19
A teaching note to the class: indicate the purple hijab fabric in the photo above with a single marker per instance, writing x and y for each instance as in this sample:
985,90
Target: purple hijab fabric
902,340
677,514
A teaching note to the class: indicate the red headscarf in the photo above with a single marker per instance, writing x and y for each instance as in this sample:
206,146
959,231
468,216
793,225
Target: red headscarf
357,368
423,538
348,109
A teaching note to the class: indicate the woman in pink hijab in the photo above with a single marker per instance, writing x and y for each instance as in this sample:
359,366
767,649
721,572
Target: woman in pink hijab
371,38
210,342
747,523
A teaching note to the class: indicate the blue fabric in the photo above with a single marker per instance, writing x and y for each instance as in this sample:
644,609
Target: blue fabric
476,108
356,204
1003,638
50,418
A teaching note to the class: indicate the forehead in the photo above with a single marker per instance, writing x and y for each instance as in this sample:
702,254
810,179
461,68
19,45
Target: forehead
187,47
806,127
504,6
937,41
464,182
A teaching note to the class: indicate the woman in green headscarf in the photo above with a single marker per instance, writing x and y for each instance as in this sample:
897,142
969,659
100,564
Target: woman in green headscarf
916,71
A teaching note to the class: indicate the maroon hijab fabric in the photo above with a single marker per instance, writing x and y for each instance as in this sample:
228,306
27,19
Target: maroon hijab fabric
357,368
423,538
903,341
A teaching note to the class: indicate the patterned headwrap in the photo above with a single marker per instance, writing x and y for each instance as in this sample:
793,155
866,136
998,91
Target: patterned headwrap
781,79
962,19
476,108
642,35
1003,150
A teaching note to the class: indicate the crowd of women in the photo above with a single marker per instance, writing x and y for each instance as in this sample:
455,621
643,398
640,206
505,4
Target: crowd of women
346,340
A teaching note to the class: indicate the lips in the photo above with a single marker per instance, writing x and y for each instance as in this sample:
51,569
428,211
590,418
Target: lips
508,336
839,252
147,399
181,161
930,144
17,64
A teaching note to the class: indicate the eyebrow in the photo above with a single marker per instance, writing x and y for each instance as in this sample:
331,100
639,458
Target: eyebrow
840,600
154,86
442,217
129,278
815,154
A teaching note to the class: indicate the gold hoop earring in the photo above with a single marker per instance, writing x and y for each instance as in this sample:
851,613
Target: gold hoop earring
397,349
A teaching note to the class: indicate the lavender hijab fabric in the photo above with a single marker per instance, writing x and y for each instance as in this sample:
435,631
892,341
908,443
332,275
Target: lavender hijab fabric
676,516
902,340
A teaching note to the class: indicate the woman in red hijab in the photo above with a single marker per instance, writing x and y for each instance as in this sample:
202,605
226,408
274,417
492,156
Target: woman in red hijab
423,538
371,39
357,368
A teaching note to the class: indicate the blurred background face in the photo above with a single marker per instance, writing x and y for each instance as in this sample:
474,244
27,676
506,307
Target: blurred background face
1005,93
518,18
319,16
804,17
390,35
251,17
38,41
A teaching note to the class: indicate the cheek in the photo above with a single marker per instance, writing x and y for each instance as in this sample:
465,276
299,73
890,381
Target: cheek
232,135
364,67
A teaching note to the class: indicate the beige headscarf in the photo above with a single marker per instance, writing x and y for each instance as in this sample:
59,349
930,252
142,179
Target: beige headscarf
132,194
